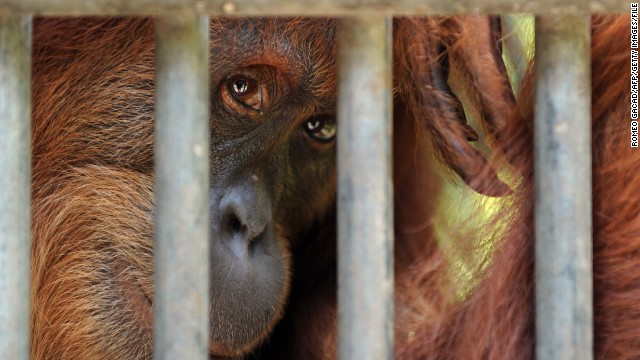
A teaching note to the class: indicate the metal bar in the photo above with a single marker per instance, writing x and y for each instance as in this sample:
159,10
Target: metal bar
181,254
365,192
306,7
564,299
15,185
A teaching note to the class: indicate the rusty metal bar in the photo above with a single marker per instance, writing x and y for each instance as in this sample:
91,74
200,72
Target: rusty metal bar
365,192
305,7
181,253
564,300
15,185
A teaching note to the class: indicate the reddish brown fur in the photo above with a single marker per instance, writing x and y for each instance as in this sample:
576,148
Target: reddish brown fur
92,194
496,320
79,205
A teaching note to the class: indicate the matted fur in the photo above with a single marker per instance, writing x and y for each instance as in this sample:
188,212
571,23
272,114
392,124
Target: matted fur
92,193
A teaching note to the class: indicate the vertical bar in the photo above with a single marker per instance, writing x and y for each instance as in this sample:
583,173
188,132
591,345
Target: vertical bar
181,255
564,315
365,195
15,185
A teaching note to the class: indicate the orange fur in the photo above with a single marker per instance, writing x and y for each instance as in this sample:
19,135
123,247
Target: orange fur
92,195
496,320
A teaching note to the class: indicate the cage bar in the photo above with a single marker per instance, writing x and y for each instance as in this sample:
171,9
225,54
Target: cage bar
365,195
563,267
15,185
181,253
305,7
564,314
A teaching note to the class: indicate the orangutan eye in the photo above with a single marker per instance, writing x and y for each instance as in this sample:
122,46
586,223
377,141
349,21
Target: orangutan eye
246,91
321,128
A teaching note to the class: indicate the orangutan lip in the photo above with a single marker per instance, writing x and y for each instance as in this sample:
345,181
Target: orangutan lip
141,304
138,299
216,357
219,352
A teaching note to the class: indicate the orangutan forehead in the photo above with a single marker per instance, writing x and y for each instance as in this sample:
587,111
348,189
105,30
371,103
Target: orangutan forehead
297,31
305,48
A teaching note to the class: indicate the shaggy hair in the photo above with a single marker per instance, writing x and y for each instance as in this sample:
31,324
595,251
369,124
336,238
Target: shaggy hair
93,197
